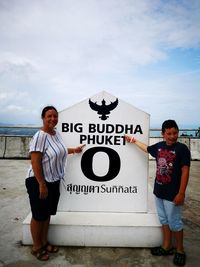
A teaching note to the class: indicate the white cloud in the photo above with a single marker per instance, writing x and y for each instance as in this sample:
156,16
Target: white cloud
108,34
14,108
59,52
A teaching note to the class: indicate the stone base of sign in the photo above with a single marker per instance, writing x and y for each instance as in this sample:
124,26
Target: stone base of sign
97,229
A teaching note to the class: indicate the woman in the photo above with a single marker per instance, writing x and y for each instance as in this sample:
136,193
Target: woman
48,157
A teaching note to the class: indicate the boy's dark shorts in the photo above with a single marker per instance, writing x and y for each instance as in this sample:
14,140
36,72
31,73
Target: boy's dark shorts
42,208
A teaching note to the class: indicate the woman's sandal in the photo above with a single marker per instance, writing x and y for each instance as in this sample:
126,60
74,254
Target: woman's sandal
50,248
160,251
40,254
179,258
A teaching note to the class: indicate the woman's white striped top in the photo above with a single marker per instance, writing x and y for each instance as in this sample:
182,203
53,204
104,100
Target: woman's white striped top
54,154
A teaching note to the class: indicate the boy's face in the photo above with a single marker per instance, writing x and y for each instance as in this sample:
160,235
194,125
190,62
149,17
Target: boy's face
170,135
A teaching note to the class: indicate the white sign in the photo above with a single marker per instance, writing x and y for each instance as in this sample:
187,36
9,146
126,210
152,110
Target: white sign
109,175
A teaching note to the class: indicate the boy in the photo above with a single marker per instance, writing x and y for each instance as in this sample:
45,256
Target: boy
172,174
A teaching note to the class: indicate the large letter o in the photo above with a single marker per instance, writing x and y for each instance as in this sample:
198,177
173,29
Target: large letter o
114,164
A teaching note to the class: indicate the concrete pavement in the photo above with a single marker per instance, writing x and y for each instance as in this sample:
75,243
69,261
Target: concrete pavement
14,207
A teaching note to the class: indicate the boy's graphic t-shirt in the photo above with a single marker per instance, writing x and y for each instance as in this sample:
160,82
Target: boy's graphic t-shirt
169,162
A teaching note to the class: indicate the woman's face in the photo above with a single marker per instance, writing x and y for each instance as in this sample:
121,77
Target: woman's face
50,119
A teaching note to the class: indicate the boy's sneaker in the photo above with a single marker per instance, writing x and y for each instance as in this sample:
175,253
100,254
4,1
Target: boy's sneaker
179,258
160,251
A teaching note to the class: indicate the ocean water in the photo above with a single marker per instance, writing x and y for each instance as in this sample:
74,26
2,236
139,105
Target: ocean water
21,131
30,131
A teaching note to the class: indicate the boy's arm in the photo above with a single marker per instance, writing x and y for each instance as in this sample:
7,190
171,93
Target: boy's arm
179,198
139,144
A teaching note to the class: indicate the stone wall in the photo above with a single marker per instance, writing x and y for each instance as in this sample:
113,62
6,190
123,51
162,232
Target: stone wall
193,143
17,147
14,147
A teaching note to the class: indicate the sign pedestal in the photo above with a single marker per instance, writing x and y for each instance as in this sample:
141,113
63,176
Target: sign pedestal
98,229
104,199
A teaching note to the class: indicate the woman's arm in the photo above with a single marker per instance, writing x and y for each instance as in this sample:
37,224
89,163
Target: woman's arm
36,161
74,150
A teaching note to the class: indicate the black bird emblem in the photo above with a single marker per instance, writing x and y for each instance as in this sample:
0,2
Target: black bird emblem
103,109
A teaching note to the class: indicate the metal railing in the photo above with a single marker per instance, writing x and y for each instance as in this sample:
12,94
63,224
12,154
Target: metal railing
29,130
188,132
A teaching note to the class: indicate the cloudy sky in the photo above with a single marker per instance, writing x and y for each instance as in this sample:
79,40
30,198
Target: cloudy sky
145,52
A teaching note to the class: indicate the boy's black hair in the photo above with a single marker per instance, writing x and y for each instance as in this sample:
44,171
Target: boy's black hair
169,124
45,109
